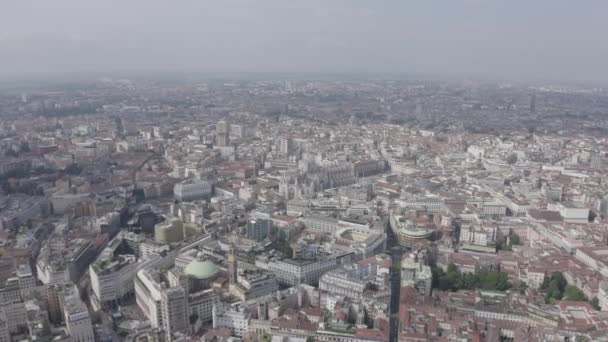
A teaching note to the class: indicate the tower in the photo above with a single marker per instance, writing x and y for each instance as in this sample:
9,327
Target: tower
221,131
55,306
174,311
232,265
533,103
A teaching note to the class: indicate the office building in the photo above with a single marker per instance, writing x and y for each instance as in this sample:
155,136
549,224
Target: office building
222,129
192,190
76,317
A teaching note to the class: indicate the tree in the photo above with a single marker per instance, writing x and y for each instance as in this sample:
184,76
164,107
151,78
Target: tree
367,319
515,239
73,169
454,280
512,158
574,293
555,286
595,303
25,147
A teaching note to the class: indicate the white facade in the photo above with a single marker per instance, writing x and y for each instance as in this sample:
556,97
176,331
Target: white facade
174,311
480,236
114,281
77,319
416,274
294,272
201,303
574,213
602,296
321,224
237,320
192,190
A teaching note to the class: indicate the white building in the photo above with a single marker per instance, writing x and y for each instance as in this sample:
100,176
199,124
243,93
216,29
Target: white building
174,311
235,318
321,224
112,278
77,319
415,273
5,335
478,235
193,189
294,272
573,212
602,296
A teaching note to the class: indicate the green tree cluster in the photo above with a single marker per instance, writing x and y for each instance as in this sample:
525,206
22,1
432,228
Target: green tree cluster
514,239
454,280
556,287
282,246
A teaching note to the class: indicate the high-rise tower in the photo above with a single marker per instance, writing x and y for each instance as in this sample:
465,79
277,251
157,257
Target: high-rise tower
221,133
232,265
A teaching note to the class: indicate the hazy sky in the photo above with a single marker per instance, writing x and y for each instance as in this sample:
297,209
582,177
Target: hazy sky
515,39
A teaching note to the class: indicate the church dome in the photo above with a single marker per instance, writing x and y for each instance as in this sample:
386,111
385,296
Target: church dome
200,268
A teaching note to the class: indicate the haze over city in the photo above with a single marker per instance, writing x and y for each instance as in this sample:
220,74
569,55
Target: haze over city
530,40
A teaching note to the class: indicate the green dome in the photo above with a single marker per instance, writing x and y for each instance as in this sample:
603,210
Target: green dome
201,269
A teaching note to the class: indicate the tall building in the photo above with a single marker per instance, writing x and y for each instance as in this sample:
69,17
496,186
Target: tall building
77,318
5,334
232,265
222,130
11,303
258,226
533,103
112,278
285,146
174,311
237,131
54,303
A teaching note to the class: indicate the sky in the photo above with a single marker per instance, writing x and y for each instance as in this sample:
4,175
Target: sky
510,39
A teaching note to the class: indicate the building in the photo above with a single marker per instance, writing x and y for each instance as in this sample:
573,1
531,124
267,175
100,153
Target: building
253,284
170,231
237,131
234,318
13,307
366,279
54,303
149,286
285,146
192,190
232,265
321,224
174,311
415,273
27,281
259,226
5,334
64,260
112,278
484,236
76,317
573,212
200,304
407,231
292,272
222,137
602,296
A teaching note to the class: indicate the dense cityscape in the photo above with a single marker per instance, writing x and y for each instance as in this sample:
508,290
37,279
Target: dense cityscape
297,210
